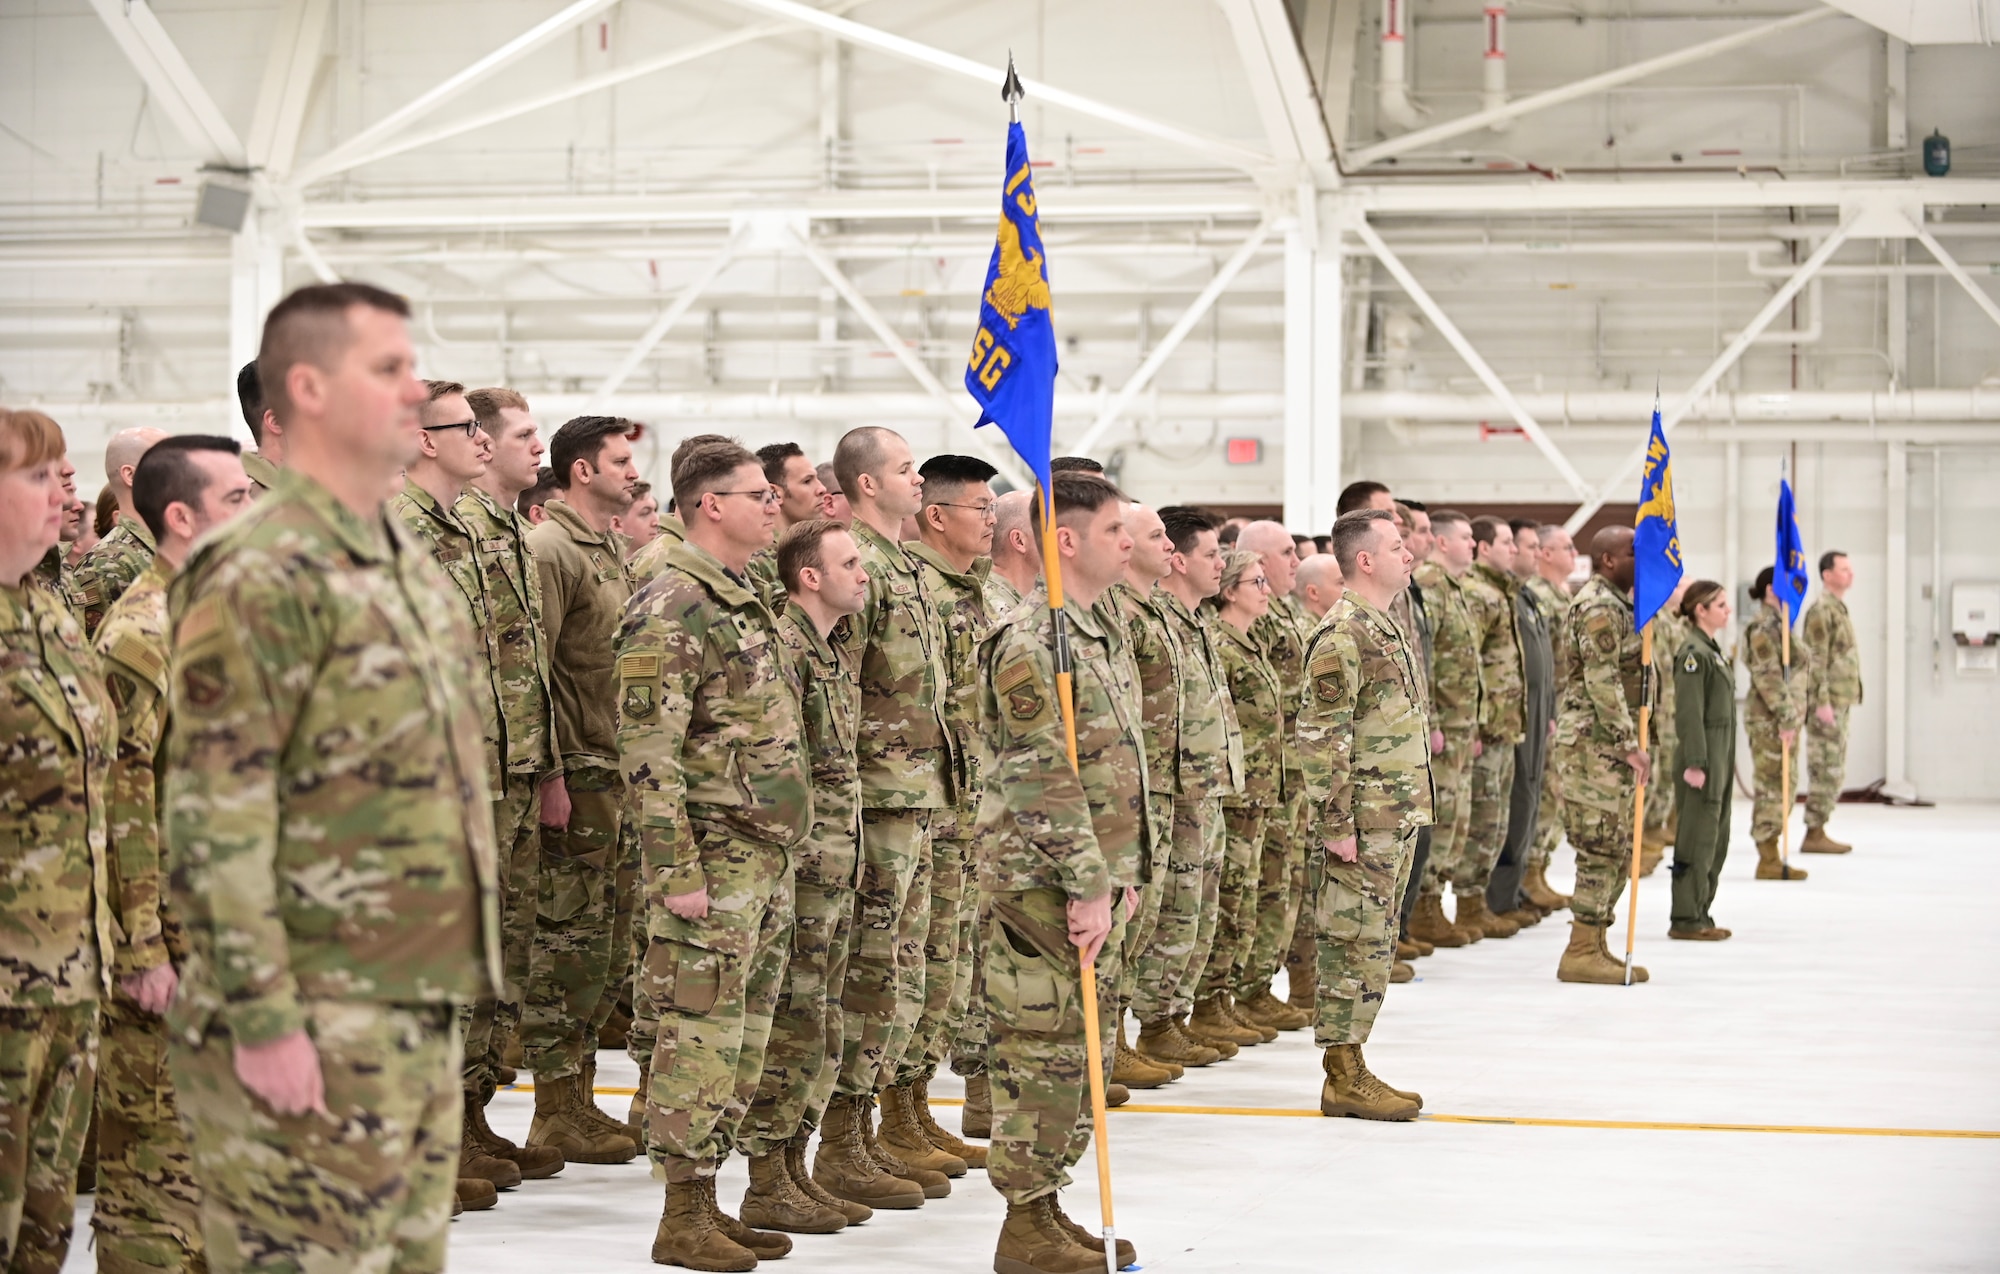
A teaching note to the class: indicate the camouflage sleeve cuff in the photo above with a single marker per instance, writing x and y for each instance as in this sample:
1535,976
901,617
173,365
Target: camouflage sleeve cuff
1089,879
261,1019
1334,826
684,879
135,958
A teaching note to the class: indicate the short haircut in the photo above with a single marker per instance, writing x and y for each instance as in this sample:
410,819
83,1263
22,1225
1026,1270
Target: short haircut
29,438
1234,566
1762,584
166,475
704,467
1353,532
1698,594
1186,522
828,478
859,451
1486,529
435,390
1325,543
582,438
311,326
487,404
1828,559
1446,517
250,399
1080,491
1546,529
1418,505
1518,525
946,476
1300,541
106,515
1074,464
538,495
1406,518
800,547
773,458
1356,495
640,492
1228,533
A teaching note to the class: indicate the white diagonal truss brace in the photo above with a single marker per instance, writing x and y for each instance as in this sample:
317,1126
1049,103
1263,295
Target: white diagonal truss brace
660,326
1282,87
288,82
173,85
1956,271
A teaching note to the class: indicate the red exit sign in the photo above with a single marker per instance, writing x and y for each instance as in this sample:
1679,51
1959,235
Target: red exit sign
1243,450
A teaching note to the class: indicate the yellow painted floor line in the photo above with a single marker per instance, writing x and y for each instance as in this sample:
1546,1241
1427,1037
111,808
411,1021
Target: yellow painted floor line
1518,1121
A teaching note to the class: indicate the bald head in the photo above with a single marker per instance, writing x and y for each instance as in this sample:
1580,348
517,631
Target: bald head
1272,542
121,457
1320,584
1611,555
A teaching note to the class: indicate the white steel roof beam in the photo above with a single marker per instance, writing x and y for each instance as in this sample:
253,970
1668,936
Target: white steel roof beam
288,81
1957,271
1279,82
173,85
657,331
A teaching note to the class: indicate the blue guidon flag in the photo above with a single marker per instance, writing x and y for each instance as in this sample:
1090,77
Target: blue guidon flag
1012,371
1656,536
1788,573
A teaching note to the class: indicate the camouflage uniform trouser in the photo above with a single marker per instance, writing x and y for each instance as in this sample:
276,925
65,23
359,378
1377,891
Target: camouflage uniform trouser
1039,1061
47,1070
1143,924
1597,815
968,1043
575,914
802,1057
1281,879
1486,829
1236,898
628,934
1171,969
1776,791
1700,849
366,1191
1451,780
1548,818
1354,911
947,959
715,983
148,1206
517,834
1826,765
884,994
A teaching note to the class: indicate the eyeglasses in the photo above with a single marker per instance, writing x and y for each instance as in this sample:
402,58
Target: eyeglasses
984,508
768,495
1260,582
471,427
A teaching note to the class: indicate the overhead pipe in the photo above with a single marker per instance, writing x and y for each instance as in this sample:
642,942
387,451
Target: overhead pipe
1628,406
1392,91
1495,95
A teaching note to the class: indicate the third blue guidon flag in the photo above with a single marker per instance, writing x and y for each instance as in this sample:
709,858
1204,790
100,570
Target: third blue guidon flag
1012,371
1788,574
1656,536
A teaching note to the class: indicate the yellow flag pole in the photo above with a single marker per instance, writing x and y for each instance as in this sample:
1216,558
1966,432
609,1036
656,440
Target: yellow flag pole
1092,1043
1639,797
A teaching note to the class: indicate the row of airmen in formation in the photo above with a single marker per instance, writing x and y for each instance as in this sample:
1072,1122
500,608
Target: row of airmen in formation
432,754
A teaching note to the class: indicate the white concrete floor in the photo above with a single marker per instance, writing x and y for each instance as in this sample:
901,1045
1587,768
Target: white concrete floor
1864,998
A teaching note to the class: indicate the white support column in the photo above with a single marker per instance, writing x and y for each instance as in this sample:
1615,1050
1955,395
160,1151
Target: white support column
1896,623
1314,378
256,282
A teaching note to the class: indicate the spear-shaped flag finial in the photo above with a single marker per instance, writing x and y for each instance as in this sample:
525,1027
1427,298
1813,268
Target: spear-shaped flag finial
1011,91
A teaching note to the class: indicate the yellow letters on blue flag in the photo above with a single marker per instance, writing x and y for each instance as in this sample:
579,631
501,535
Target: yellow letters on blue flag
1012,371
1656,536
1788,573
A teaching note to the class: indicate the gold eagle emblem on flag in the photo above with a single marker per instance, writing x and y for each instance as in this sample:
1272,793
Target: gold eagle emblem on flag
1018,285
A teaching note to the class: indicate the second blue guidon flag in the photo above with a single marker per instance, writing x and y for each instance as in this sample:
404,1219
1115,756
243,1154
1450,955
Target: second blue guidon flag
1012,371
1656,536
1788,574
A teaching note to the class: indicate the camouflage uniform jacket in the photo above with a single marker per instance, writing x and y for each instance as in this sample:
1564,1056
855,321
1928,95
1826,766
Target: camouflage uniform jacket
584,590
959,601
452,547
1042,825
1284,632
1503,666
1777,696
56,725
1555,604
652,559
326,813
1412,616
132,643
56,575
1211,737
1670,633
263,474
1259,702
828,670
1156,662
763,575
906,750
1363,735
109,569
1597,710
521,675
1829,631
1457,686
1001,595
709,728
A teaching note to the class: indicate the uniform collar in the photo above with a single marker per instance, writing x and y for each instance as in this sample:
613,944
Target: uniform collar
579,530
366,542
138,528
429,503
981,566
1507,584
704,566
822,647
868,535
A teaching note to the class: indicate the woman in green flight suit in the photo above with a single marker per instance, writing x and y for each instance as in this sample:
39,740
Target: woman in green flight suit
1705,721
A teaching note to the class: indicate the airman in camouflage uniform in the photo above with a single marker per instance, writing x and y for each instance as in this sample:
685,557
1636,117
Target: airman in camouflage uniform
1490,591
1597,748
56,930
1365,742
1554,602
1670,633
1457,708
1834,690
110,567
1775,708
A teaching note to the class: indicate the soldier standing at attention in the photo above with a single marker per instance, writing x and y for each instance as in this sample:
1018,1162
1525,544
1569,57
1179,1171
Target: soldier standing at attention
1017,564
527,721
1597,746
340,900
711,741
56,929
1555,558
1366,745
1057,849
262,464
1705,770
1834,689
576,957
908,765
1457,709
1775,709
1411,611
148,1213
111,565
1503,674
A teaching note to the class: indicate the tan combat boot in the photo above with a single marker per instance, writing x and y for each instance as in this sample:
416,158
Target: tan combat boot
1187,1029
1535,884
1159,1041
1351,1091
1267,1010
474,1194
1639,973
688,1236
934,1183
763,1244
1407,950
1586,959
1474,917
1401,972
1234,1012
1525,916
795,1168
1361,1061
534,1162
1770,866
560,1122
594,1114
974,1156
1818,842
1174,1070
976,1120
775,1202
845,1169
1032,1242
1131,1068
902,1134
475,1161
1212,1020
1116,1095
1428,923
1127,1254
